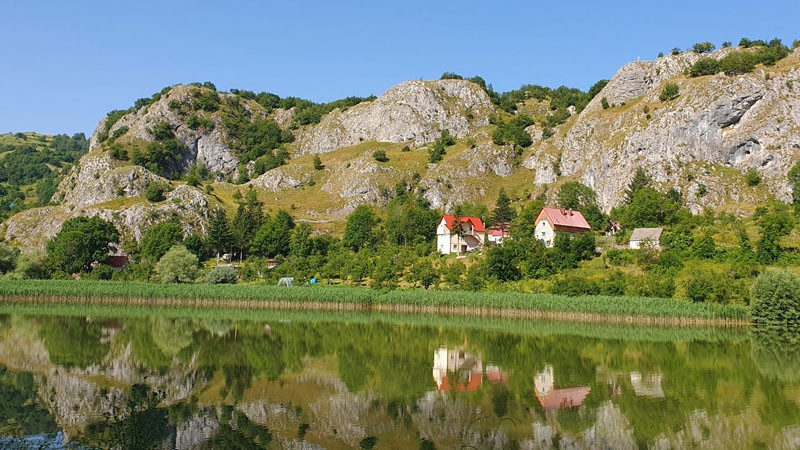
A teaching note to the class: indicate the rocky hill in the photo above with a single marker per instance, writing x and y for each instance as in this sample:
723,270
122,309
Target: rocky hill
201,145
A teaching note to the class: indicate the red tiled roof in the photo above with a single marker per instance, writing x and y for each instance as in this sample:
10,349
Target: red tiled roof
476,222
566,219
564,398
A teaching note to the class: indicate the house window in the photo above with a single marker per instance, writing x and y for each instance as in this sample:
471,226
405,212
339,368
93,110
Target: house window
543,233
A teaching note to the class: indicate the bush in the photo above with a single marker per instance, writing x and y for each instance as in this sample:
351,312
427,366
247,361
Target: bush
776,299
154,192
752,177
704,66
380,156
222,275
178,265
575,285
669,92
604,103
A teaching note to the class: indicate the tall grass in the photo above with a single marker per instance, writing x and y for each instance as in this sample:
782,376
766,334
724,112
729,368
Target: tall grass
354,298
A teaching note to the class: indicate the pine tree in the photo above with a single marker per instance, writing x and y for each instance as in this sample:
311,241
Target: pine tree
503,213
640,180
220,238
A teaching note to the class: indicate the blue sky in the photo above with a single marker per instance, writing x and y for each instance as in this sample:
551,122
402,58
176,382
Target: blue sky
68,63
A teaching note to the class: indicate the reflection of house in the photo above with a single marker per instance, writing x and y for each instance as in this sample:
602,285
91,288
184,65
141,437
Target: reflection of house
647,385
497,233
456,370
646,237
454,237
551,398
551,221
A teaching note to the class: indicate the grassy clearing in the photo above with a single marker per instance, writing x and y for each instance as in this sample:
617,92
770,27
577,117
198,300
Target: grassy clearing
587,308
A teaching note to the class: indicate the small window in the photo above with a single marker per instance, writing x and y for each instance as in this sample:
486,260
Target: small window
543,233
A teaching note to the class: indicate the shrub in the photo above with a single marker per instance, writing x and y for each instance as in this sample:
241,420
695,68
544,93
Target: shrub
222,275
318,163
704,66
604,103
154,192
776,299
575,285
380,156
669,92
178,265
752,177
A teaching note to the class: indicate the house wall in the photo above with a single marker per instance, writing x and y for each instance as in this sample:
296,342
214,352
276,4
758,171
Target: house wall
637,244
544,231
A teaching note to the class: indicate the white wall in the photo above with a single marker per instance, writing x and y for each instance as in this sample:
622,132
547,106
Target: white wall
545,233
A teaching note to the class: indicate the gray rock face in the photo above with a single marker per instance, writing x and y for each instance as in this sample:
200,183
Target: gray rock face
96,180
281,178
464,178
743,122
414,111
204,147
360,181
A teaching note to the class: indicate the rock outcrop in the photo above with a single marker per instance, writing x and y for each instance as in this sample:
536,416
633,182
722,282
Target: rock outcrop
414,111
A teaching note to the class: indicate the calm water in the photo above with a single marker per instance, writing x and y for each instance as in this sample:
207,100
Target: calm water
319,381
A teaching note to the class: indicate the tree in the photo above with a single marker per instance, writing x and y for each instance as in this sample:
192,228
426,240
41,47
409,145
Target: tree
639,181
423,272
776,299
159,238
8,258
220,238
178,265
81,242
503,213
670,91
274,236
301,243
318,163
359,231
247,221
410,220
577,196
648,208
703,47
794,181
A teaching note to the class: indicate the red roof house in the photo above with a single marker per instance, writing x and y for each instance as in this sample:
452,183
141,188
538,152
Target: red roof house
471,236
552,220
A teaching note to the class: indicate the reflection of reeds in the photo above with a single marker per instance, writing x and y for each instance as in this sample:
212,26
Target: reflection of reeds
624,310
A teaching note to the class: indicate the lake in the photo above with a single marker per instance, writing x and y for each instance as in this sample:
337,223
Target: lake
337,381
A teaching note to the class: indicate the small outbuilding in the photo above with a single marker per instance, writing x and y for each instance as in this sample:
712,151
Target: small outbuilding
646,237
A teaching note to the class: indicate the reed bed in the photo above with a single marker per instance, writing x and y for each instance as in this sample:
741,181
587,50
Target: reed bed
626,310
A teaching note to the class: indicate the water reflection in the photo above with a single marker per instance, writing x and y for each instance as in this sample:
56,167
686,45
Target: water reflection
218,383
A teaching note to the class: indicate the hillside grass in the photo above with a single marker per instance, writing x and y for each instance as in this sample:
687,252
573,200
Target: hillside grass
457,302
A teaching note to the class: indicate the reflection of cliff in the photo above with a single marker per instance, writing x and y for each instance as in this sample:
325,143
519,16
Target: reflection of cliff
551,398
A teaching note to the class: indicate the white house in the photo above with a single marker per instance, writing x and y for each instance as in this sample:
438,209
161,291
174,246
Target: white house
646,237
471,237
552,220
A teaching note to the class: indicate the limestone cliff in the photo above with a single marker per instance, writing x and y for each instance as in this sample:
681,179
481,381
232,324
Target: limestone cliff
702,143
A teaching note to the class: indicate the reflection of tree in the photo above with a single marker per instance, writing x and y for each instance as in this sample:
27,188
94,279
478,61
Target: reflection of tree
20,414
72,341
236,431
141,424
172,335
776,354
